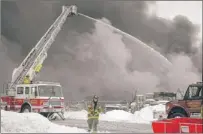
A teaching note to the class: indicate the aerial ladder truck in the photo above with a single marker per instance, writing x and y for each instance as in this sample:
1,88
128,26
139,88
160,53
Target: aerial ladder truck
42,97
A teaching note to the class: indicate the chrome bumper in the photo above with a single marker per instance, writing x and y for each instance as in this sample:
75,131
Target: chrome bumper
52,110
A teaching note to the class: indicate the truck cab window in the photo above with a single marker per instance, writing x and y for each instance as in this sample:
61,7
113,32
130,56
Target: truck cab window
27,90
20,90
193,92
34,91
200,93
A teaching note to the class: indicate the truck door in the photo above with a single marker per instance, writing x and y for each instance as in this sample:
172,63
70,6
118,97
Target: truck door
33,96
27,92
33,92
19,98
194,99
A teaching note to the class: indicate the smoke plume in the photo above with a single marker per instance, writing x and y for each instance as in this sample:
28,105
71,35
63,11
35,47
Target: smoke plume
182,72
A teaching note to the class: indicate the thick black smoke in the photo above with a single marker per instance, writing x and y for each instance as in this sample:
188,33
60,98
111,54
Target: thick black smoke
81,59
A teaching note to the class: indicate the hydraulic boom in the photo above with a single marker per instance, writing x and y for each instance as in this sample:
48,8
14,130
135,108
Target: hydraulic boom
38,54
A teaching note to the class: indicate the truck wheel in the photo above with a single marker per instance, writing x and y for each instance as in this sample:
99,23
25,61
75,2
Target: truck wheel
26,109
44,114
177,115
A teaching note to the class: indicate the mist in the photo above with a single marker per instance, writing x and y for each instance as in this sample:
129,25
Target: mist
182,72
89,58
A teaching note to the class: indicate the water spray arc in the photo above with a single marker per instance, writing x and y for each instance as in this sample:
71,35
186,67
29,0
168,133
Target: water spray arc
131,37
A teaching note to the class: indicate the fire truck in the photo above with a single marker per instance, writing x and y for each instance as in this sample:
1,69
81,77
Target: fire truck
45,98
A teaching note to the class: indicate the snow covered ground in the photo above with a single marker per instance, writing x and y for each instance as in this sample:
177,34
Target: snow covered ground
117,121
12,122
113,121
145,115
110,126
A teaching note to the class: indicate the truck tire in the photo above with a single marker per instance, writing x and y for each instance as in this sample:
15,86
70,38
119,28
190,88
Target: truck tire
44,114
26,109
176,115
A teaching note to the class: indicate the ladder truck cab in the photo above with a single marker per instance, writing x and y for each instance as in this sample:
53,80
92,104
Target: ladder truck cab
41,97
45,98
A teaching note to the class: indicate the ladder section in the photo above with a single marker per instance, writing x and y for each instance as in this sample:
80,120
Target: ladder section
39,53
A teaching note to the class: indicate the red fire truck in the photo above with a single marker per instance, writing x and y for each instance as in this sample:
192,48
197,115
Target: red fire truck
45,98
42,97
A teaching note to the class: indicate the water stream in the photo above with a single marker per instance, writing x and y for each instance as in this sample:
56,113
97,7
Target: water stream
131,37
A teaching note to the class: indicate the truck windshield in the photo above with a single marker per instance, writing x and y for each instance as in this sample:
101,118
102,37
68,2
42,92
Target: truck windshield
50,91
194,92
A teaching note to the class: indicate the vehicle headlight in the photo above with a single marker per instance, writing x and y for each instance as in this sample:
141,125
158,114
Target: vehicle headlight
50,106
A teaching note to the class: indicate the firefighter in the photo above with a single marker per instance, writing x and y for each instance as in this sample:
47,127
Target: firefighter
93,115
26,80
38,68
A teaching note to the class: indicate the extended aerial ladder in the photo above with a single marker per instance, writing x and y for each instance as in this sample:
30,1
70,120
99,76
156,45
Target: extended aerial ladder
39,53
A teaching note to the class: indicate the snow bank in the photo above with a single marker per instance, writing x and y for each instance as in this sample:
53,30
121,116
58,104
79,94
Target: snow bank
76,115
159,108
12,122
116,115
145,115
